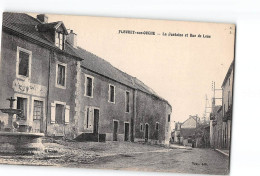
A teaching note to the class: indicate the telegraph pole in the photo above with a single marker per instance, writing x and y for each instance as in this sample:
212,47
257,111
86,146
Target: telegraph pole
213,88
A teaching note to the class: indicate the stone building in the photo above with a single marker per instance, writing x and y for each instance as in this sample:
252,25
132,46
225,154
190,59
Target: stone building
66,91
176,137
216,123
227,99
185,132
191,122
221,116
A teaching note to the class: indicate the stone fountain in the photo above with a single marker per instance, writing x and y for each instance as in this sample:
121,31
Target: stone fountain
14,140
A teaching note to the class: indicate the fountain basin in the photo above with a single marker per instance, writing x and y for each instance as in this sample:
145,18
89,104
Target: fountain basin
21,143
11,111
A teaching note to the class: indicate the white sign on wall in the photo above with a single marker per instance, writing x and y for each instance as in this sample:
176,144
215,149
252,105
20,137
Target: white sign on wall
29,88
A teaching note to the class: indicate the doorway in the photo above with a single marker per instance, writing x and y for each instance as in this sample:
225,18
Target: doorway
38,116
115,131
146,135
96,121
126,131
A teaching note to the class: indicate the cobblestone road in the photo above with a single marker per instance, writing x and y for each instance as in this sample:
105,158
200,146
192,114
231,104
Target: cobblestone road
126,156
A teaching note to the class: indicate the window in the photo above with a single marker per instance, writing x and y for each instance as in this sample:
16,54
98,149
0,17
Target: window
59,116
127,101
61,75
111,93
59,40
22,105
60,113
157,126
89,86
169,118
37,110
141,127
23,68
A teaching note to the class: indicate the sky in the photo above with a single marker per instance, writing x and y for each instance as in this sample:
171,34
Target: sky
179,69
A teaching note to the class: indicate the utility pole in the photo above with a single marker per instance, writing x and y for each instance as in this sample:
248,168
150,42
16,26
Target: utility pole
213,87
206,107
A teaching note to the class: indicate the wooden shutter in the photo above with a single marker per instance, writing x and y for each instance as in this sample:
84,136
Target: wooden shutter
56,39
86,119
53,107
67,114
91,119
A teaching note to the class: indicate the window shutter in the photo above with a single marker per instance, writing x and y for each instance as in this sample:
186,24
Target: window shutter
91,119
53,108
56,39
67,114
85,121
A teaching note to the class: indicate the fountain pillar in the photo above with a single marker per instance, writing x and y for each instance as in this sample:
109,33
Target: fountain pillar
10,125
13,141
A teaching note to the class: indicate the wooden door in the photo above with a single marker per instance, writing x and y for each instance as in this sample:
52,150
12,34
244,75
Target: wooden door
96,121
115,131
38,116
126,131
146,132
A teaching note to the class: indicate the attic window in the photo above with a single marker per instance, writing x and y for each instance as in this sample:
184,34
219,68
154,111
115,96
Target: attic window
59,40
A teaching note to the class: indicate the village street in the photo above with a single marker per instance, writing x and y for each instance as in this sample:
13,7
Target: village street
125,156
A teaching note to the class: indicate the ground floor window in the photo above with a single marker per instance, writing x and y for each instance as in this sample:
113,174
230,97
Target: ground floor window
60,113
59,116
157,126
141,127
22,105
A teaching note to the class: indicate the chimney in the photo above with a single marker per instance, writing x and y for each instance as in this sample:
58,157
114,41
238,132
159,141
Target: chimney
43,18
72,39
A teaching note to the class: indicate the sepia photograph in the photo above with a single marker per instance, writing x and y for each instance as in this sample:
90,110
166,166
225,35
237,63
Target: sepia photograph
116,93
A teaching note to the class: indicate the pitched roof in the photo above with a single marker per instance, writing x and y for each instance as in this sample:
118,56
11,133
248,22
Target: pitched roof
26,26
190,117
98,65
32,28
51,26
228,73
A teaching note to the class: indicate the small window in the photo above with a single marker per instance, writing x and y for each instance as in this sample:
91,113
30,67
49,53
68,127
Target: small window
89,86
111,93
37,110
141,127
127,101
157,126
61,75
23,63
22,105
59,116
169,118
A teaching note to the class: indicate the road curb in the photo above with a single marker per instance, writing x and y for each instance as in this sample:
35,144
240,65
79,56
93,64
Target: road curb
223,153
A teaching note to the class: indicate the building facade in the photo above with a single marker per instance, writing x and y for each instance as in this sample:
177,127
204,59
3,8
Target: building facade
221,116
216,122
66,91
227,99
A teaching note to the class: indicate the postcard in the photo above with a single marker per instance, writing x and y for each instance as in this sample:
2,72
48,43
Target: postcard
116,93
